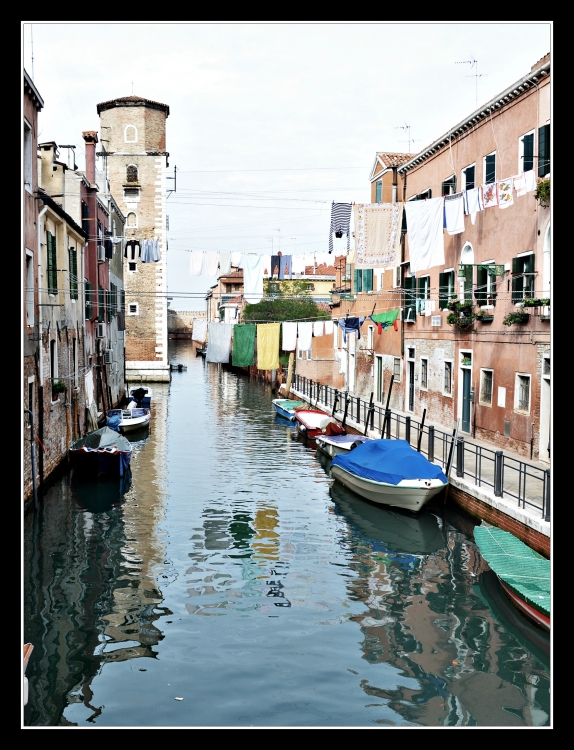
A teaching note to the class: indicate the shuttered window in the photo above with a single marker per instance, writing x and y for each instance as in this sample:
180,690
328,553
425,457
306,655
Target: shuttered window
88,286
446,288
468,178
378,191
468,283
485,292
73,259
527,142
410,298
544,150
489,169
52,264
363,280
101,305
85,218
523,277
448,187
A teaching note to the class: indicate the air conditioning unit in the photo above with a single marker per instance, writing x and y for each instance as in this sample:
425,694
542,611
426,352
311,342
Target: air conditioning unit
100,330
101,253
108,356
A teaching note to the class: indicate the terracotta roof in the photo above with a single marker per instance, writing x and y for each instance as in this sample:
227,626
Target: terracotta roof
324,306
232,275
322,270
392,159
134,101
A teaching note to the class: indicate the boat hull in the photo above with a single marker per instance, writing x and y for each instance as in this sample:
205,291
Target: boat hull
538,617
409,494
98,463
333,449
137,423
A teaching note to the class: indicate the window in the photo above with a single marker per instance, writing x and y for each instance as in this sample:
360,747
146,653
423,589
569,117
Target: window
526,152
448,187
27,157
52,263
424,372
485,292
378,191
73,272
544,150
131,195
132,266
130,134
132,220
447,386
522,393
29,288
486,380
410,308
101,305
133,308
489,168
468,177
446,288
423,293
397,369
131,173
363,278
86,218
523,277
88,286
420,197
411,352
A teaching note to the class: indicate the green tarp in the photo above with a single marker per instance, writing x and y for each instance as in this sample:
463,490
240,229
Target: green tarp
243,345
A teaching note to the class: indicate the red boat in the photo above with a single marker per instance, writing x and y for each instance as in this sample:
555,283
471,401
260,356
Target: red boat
312,422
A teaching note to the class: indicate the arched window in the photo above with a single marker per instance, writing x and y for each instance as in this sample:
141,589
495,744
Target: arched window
467,265
132,220
130,134
132,173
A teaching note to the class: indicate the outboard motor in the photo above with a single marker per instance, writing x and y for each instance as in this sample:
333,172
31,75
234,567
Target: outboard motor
138,396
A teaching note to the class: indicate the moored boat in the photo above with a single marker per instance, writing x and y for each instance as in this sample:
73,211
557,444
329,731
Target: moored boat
102,452
141,395
332,445
130,419
312,422
389,472
285,407
523,574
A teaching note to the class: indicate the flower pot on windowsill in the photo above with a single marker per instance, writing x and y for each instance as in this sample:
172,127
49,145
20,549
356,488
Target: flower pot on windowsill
485,318
518,318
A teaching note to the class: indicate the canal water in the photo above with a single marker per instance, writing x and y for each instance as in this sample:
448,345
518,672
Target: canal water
231,584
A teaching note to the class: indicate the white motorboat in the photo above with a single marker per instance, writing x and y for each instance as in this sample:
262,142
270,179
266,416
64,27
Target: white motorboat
130,419
332,445
389,472
141,395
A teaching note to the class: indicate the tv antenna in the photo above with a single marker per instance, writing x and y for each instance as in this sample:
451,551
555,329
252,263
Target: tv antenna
408,129
476,75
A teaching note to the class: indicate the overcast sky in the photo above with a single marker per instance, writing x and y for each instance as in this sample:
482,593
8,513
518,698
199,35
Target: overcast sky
269,123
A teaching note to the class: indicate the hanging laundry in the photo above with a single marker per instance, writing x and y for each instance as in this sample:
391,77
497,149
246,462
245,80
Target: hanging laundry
199,330
473,202
429,307
236,259
224,263
377,234
343,360
351,325
328,327
384,319
454,213
519,184
196,263
285,266
274,269
531,182
340,222
318,327
109,247
489,195
268,346
289,342
210,265
219,342
425,233
156,255
305,334
298,262
243,354
505,198
132,250
253,266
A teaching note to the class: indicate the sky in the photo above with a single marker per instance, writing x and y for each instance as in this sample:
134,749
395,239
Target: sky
271,122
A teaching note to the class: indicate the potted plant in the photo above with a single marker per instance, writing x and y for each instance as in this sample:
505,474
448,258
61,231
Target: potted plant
516,317
542,193
58,386
536,302
461,320
485,316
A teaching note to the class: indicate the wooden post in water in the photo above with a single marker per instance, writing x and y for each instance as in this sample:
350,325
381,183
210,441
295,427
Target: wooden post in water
421,431
289,374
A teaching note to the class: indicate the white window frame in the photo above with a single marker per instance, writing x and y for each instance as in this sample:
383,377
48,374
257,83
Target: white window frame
448,394
28,156
492,153
136,305
426,386
400,368
521,150
463,176
517,407
480,388
130,140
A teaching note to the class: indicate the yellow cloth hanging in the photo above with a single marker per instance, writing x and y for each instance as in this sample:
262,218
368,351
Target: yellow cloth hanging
268,346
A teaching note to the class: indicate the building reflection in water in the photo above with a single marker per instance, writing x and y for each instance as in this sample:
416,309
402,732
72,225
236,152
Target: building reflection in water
423,617
94,566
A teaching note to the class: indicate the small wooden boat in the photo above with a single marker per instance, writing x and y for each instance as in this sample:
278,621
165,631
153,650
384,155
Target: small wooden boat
102,452
332,445
129,419
312,422
285,407
523,574
28,648
141,395
389,472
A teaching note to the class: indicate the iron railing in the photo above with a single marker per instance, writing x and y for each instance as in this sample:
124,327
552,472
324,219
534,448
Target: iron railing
507,477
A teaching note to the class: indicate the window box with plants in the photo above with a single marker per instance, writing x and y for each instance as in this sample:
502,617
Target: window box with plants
518,318
457,306
58,386
536,302
461,320
485,316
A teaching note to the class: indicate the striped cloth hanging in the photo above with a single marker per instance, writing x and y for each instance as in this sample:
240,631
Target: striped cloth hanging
340,222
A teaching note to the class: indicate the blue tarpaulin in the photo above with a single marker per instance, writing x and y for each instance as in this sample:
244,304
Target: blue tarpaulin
388,461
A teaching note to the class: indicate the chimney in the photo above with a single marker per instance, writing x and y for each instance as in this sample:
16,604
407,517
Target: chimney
91,138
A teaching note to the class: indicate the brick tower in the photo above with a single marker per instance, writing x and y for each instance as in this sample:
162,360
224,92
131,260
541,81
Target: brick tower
133,140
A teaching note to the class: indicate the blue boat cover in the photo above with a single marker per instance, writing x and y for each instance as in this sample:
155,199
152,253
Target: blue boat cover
388,461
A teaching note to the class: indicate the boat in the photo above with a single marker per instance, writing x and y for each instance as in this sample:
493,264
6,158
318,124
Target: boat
28,648
332,445
102,452
285,407
523,574
141,395
129,419
389,472
312,422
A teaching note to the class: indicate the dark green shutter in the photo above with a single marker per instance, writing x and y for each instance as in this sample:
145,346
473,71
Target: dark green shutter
88,293
73,257
528,152
358,279
410,298
404,223
52,263
100,305
368,280
490,168
492,287
543,150
529,280
481,286
517,288
443,290
468,283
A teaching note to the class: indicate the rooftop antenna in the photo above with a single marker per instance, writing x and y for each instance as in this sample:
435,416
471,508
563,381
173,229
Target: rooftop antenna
476,75
408,129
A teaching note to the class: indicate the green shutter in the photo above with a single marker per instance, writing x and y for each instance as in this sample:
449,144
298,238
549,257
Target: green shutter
529,263
88,293
468,283
358,279
517,288
410,298
529,280
379,191
543,150
100,305
528,152
492,287
517,265
52,263
73,258
443,290
368,280
481,286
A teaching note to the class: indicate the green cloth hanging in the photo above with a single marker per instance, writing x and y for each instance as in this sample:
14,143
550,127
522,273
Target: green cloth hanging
243,353
385,317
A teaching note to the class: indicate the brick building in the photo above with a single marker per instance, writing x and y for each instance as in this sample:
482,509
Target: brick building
133,130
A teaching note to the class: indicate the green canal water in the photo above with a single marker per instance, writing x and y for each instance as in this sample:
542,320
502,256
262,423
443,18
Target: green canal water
231,584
